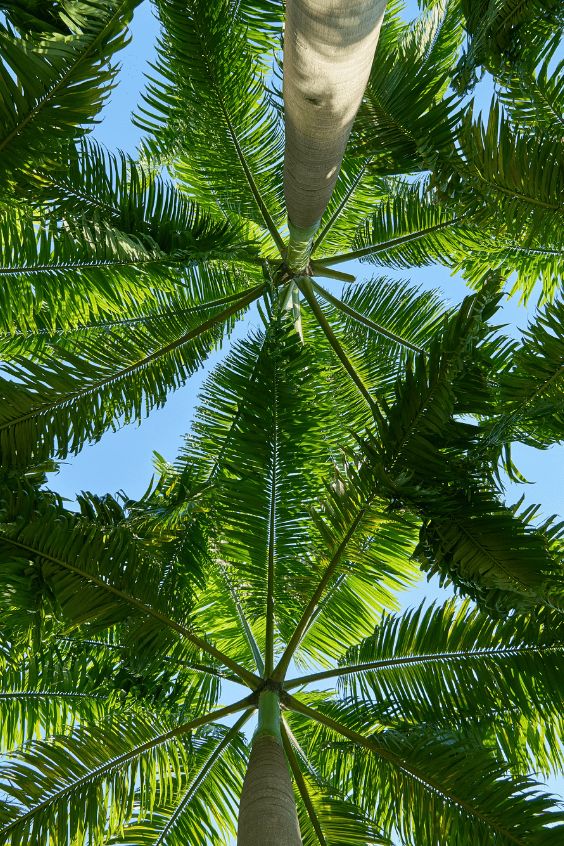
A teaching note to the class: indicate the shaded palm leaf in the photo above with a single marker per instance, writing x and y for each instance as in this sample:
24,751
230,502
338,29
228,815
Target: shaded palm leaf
47,90
406,120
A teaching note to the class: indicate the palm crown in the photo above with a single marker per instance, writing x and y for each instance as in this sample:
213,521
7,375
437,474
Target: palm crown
353,438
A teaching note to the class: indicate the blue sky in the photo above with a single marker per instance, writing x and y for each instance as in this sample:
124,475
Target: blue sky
123,460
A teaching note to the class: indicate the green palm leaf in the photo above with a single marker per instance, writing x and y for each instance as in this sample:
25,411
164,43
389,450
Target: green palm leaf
205,809
535,99
422,668
422,784
118,374
100,767
410,228
524,174
257,406
224,125
47,91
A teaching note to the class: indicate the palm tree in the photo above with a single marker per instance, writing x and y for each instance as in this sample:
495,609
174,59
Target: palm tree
323,462
264,557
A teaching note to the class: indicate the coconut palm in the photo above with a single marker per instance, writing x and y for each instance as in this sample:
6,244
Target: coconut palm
356,434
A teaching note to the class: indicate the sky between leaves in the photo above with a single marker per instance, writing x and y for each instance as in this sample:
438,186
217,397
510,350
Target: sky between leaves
123,460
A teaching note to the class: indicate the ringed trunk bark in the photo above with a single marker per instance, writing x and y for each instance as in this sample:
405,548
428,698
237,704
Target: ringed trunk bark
267,811
328,50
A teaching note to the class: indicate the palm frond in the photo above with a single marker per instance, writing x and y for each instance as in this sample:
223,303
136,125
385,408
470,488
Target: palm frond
96,185
84,783
52,86
531,391
325,819
422,668
406,120
409,227
209,104
490,552
117,376
257,406
523,174
29,15
363,555
534,98
205,809
61,550
40,699
54,279
427,461
425,784
503,33
399,317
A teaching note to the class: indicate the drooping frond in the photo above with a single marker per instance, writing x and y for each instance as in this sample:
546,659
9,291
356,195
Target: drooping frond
425,457
43,697
424,783
54,85
534,98
512,181
86,568
54,278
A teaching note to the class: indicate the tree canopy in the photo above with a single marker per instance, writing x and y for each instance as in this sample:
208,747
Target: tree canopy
360,435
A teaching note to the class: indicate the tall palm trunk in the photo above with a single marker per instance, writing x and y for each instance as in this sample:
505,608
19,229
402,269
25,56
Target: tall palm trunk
267,812
328,50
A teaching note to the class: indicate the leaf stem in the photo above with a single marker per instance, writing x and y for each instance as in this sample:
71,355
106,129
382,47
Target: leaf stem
366,321
243,620
386,245
319,269
305,285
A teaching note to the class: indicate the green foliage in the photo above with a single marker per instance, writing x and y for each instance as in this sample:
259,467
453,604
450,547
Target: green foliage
51,86
356,437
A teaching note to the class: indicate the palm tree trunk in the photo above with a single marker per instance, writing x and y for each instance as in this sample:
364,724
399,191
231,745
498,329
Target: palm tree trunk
328,50
267,811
